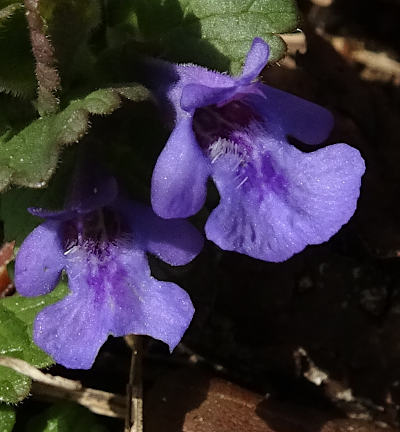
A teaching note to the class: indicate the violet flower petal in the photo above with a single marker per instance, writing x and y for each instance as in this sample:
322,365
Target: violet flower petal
291,200
167,81
144,305
73,329
174,241
96,190
256,59
179,177
39,261
297,117
198,95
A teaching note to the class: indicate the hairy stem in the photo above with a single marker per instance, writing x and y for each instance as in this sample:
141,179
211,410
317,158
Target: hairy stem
46,73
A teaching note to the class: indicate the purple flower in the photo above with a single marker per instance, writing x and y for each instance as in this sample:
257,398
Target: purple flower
274,199
101,241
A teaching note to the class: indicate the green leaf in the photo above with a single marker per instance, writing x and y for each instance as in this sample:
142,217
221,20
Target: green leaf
14,387
6,3
14,204
13,338
26,309
18,222
7,8
216,34
16,323
65,417
17,67
7,418
30,157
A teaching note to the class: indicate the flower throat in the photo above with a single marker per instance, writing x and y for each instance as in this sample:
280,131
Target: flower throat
212,123
96,228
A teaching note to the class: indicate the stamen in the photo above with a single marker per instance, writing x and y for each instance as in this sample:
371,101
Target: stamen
68,251
225,146
242,182
222,147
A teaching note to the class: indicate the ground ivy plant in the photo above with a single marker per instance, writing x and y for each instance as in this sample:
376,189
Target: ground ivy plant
113,115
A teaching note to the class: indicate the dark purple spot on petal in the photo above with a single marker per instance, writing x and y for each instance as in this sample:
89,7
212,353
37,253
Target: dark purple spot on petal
263,177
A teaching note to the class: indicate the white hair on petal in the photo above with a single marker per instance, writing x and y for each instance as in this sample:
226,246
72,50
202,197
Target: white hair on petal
222,147
225,146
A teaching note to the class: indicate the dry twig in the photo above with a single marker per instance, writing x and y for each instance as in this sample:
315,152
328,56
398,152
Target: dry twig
49,387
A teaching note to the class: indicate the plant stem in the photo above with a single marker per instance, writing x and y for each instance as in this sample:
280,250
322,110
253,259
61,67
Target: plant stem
134,413
46,73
